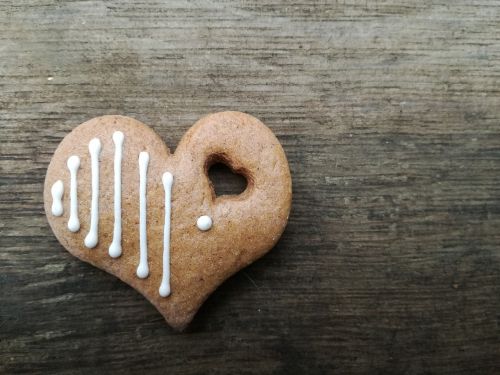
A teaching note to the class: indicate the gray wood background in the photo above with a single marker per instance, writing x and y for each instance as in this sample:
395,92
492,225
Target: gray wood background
389,113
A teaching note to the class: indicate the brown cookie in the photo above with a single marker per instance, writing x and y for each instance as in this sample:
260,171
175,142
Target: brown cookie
203,240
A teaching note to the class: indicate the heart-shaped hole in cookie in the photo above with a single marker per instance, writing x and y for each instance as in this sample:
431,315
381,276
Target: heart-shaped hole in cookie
224,179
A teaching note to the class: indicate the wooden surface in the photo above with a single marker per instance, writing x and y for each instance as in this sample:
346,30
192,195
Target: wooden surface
389,112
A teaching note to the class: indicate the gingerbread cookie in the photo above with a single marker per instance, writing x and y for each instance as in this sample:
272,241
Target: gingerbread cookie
116,198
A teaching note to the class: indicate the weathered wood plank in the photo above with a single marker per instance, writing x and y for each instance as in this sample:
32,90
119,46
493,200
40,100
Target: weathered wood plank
389,114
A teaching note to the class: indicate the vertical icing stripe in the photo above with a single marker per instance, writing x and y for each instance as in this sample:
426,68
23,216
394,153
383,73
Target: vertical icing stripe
93,236
168,180
115,249
57,192
143,268
73,165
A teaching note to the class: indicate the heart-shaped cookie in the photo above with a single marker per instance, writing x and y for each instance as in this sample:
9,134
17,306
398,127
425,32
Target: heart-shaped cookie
116,198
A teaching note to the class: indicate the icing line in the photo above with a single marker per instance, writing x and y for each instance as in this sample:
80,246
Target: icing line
73,164
115,249
143,269
57,192
93,235
167,180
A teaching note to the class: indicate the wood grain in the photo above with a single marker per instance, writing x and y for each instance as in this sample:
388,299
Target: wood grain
389,112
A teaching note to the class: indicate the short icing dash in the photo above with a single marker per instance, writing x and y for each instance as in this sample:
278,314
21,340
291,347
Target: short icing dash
143,268
73,166
57,192
115,249
93,236
167,180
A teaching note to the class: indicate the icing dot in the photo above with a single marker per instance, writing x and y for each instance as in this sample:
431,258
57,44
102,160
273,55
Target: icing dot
73,224
143,271
118,137
164,290
204,223
95,146
115,250
73,162
91,240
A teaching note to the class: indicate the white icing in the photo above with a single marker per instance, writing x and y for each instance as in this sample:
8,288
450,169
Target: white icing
204,223
143,269
57,191
73,165
168,180
93,235
115,249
